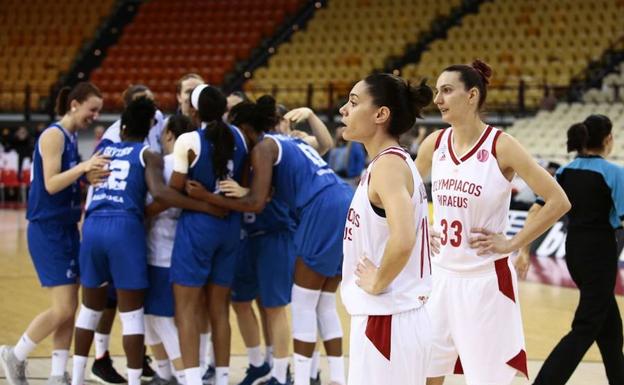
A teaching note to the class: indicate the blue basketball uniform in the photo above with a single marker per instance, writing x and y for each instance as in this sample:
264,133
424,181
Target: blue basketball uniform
205,247
319,199
113,235
53,237
266,262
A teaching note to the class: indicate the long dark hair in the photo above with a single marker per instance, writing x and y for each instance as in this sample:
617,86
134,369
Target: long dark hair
211,105
590,134
405,101
81,92
261,116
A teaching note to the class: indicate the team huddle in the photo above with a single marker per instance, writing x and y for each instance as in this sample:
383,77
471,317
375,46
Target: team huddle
224,204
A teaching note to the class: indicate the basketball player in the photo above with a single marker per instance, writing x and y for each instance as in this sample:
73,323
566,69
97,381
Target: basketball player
115,218
160,331
386,270
53,239
204,252
320,200
102,367
477,327
594,186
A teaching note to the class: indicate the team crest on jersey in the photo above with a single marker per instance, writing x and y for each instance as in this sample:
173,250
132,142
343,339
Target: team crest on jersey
483,155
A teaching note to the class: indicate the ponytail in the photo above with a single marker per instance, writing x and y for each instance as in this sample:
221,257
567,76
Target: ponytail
222,139
81,92
62,104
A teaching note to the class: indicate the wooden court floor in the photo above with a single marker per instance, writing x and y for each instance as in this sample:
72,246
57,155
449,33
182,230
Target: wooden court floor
547,310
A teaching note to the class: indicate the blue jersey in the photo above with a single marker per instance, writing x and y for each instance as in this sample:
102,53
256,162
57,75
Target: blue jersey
274,217
64,206
202,169
299,173
124,191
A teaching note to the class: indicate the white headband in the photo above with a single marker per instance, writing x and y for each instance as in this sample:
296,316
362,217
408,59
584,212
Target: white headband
195,95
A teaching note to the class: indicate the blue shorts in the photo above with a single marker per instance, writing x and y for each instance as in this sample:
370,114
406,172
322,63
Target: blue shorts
265,269
159,295
113,250
318,238
205,249
54,250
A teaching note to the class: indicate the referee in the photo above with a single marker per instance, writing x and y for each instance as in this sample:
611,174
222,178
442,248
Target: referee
595,187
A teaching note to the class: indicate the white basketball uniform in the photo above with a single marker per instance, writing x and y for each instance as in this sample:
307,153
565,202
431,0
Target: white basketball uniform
390,332
160,237
474,302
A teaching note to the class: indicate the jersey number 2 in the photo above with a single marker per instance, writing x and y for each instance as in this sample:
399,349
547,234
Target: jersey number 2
119,170
455,233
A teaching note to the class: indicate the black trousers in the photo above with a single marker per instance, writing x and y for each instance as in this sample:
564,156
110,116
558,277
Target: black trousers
593,264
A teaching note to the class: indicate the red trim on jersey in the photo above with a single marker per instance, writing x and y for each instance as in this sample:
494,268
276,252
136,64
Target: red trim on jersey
439,139
505,283
458,369
450,148
498,133
422,248
391,149
479,144
428,249
519,362
379,332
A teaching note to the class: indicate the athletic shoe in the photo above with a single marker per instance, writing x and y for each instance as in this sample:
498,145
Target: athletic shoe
104,372
317,380
148,372
161,381
14,370
256,374
209,376
59,380
273,381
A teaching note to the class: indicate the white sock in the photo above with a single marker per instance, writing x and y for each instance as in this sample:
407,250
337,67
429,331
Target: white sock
222,375
268,355
78,370
336,369
163,369
180,377
280,367
193,376
255,356
134,376
210,351
101,344
23,348
314,367
302,369
203,351
59,362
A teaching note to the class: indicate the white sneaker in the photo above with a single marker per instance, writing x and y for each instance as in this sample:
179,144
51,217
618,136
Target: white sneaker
59,380
14,370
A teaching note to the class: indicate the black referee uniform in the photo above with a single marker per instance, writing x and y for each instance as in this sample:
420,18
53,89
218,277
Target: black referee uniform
595,188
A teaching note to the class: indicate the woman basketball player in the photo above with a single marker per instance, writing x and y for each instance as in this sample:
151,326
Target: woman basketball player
594,187
205,246
386,270
320,200
477,326
53,239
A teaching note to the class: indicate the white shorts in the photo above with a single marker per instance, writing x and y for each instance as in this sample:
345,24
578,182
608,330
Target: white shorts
477,325
162,330
391,349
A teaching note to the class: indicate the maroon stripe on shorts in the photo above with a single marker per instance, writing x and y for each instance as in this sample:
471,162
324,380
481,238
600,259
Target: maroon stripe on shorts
505,283
519,362
379,332
458,369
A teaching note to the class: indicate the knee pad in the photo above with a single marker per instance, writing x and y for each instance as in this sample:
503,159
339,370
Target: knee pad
304,302
88,319
327,315
132,322
151,337
168,334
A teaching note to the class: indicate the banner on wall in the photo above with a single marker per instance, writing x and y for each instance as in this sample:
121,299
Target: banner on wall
548,254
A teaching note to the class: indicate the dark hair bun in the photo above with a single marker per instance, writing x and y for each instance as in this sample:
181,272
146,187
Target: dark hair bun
420,96
577,137
483,69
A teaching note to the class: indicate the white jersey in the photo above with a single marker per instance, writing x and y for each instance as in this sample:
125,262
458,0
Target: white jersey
366,234
162,227
469,191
